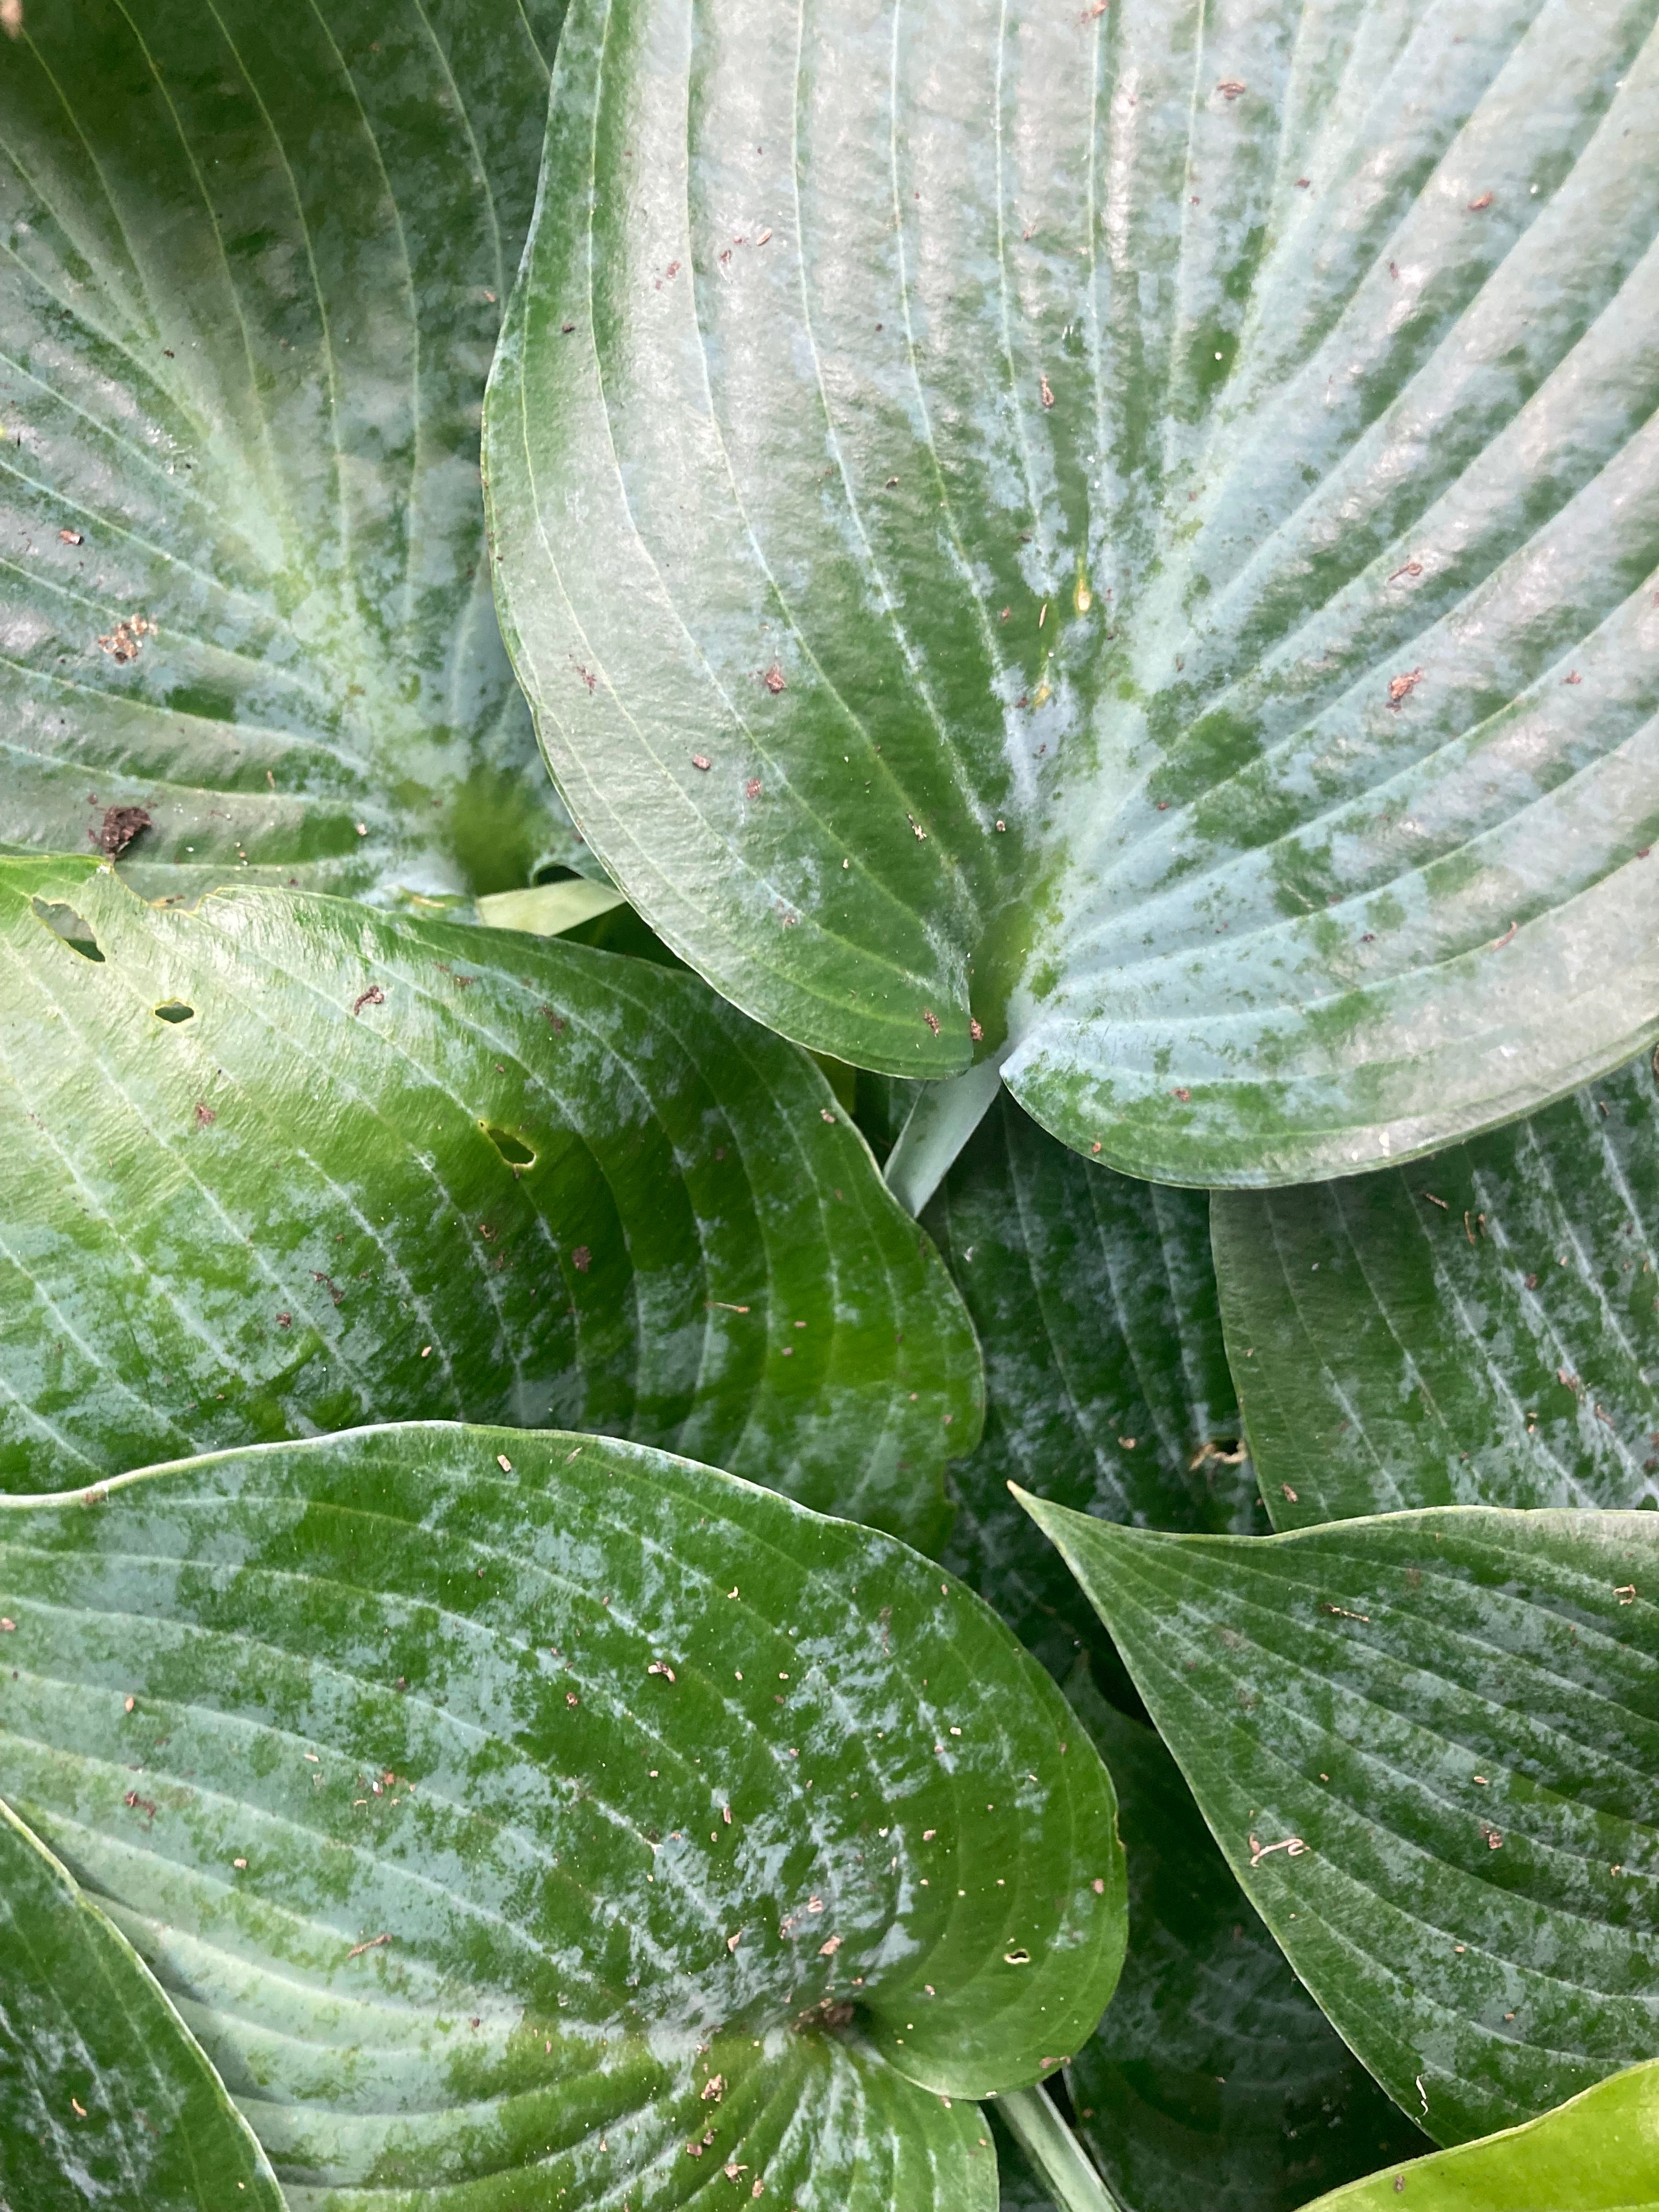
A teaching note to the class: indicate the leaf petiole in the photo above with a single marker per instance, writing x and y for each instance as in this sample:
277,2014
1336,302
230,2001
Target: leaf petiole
1059,2158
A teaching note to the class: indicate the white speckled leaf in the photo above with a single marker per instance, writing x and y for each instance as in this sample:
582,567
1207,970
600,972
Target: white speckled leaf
1428,1745
106,2102
254,262
541,1814
1479,1328
1121,536
276,1163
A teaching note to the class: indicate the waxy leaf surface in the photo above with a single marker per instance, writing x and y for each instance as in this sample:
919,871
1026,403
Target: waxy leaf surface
278,1164
106,2098
1122,537
1479,1329
1598,2153
1214,2078
1428,1745
544,1815
254,264
1106,1382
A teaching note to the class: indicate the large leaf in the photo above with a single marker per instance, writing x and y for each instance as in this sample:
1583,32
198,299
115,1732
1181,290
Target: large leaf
1214,2079
1106,1382
1428,1745
105,2096
254,260
1599,2153
1480,1328
279,1163
512,1815
1119,535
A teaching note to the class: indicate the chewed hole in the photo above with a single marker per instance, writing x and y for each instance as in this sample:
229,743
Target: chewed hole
73,928
174,1010
512,1150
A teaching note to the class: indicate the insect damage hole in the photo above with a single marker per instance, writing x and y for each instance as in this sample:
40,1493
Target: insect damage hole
73,928
512,1150
173,1009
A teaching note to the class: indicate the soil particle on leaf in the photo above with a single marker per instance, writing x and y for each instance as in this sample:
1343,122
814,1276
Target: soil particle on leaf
120,825
1401,687
773,679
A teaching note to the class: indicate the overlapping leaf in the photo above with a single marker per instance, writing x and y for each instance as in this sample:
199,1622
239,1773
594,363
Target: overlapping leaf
1481,1328
1107,1386
1599,2153
1214,2079
1120,536
105,2096
278,1164
1427,1745
541,1815
254,263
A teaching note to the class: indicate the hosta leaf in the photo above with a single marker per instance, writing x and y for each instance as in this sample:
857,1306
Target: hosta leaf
1106,1381
1214,2079
511,1811
254,264
279,1163
1481,1328
105,2096
1121,536
1599,2153
1428,1745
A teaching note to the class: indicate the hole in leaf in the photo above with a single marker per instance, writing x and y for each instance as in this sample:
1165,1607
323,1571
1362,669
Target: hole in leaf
512,1150
73,928
174,1010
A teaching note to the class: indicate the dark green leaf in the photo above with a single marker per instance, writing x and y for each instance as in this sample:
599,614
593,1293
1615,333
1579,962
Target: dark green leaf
1018,2188
1482,1328
1214,2079
105,2096
279,1163
1598,2154
1122,535
1106,1382
487,1796
1428,1745
255,259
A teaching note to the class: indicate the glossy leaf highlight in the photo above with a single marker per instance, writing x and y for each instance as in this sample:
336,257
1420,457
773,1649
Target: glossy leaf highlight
542,1813
255,264
1479,1328
1427,1745
276,1163
105,2096
1123,535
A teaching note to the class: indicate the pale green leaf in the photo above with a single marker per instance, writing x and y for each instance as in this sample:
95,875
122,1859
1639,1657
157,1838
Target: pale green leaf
276,1163
1481,1328
106,2099
1599,2153
1119,536
1428,1745
529,1818
255,259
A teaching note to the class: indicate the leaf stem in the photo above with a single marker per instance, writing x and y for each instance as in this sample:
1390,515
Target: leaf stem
1060,2159
939,1124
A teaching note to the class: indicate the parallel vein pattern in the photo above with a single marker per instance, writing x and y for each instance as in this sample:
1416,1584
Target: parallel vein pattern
280,1164
1106,1382
105,2097
1427,1744
1479,1328
1125,535
541,1821
251,270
